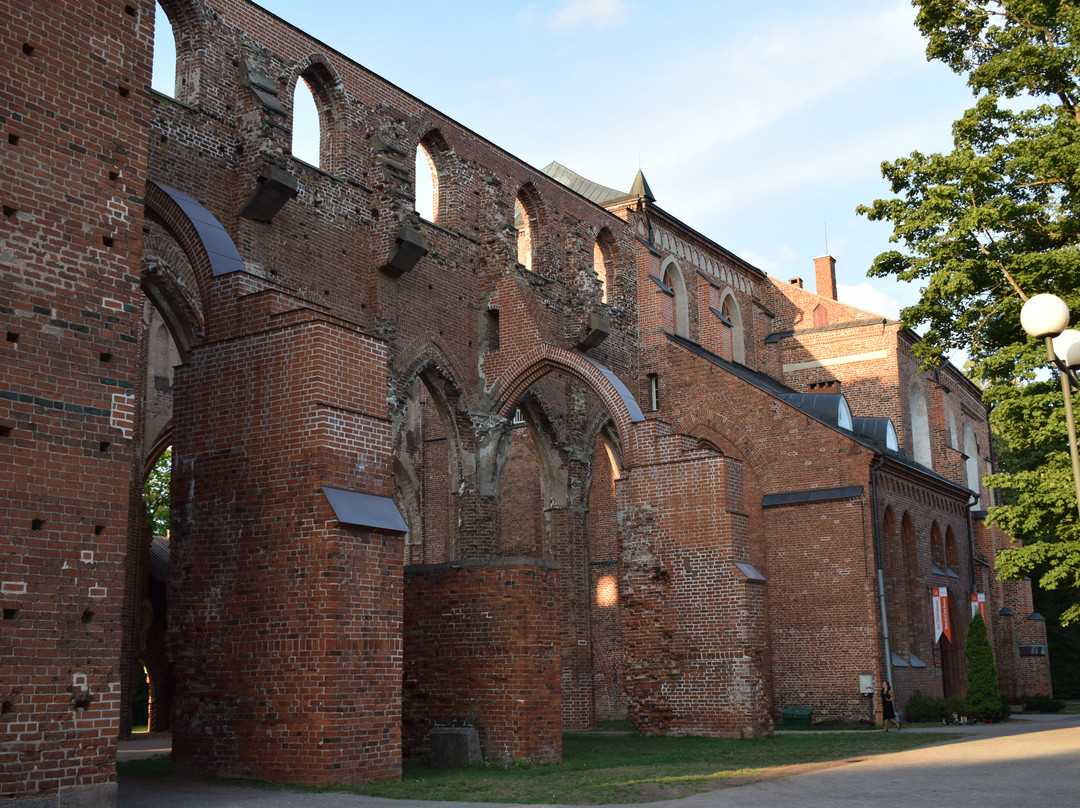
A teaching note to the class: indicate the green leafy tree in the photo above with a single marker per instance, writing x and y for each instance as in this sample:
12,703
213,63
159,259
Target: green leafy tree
983,227
156,496
983,699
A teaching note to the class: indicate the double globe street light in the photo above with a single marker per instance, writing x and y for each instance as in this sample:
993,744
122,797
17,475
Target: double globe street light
1046,317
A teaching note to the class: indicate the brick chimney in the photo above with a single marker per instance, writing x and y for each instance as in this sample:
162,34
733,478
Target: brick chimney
796,282
825,269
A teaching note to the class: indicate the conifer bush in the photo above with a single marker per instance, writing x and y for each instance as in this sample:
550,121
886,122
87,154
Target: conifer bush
983,699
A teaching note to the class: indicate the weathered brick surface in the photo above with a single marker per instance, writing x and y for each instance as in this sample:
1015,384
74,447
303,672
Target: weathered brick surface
311,355
482,650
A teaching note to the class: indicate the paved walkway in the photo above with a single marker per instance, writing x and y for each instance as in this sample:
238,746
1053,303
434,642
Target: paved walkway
1033,759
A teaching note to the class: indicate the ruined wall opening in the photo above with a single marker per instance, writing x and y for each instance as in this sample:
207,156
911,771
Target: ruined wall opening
163,77
179,39
317,115
521,503
426,190
527,221
422,476
604,262
307,125
605,624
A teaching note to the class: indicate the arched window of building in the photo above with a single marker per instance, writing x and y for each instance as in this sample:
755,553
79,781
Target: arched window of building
937,550
604,262
527,222
821,316
427,184
952,561
729,307
163,77
673,280
307,128
920,426
315,115
431,200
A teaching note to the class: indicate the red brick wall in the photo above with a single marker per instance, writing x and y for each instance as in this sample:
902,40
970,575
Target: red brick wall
72,140
695,627
285,628
482,649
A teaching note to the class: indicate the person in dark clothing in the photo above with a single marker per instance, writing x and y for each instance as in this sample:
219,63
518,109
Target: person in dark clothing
888,711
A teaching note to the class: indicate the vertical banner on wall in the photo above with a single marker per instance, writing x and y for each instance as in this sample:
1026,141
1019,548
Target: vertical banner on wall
940,597
978,602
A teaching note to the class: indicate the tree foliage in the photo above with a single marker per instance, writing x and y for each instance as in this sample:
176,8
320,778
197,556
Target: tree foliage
156,496
987,225
983,699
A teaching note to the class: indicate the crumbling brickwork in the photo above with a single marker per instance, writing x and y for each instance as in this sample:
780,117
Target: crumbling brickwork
550,457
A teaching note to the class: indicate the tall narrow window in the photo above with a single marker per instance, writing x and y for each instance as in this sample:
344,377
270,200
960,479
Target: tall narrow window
730,309
527,209
163,77
604,262
654,392
952,560
673,280
427,185
307,131
937,550
920,426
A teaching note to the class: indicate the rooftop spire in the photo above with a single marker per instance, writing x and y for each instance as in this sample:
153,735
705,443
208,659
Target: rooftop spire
641,189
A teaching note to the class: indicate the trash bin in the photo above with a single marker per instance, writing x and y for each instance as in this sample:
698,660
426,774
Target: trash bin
798,716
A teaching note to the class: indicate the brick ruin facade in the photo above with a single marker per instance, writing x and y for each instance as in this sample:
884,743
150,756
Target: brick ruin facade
548,457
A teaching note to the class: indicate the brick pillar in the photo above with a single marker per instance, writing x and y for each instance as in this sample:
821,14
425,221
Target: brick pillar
285,626
478,524
694,625
568,529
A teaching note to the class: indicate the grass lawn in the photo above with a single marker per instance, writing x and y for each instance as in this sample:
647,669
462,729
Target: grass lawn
600,768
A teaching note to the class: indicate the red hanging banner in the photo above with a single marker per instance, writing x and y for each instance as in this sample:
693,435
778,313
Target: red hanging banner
940,599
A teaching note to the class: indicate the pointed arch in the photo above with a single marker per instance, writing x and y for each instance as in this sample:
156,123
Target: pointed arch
604,252
729,307
920,425
318,75
430,177
544,358
672,277
187,20
937,549
529,221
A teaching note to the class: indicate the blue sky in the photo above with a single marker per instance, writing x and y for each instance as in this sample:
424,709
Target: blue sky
761,125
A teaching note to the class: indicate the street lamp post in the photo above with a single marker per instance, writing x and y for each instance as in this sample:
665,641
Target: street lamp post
1046,317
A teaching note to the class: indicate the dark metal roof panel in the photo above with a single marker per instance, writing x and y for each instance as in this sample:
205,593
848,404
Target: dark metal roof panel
365,510
811,495
593,191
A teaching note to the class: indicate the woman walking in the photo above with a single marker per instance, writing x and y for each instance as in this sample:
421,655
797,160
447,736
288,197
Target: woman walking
888,712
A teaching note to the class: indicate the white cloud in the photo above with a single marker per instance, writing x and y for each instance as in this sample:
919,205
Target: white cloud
597,14
869,298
